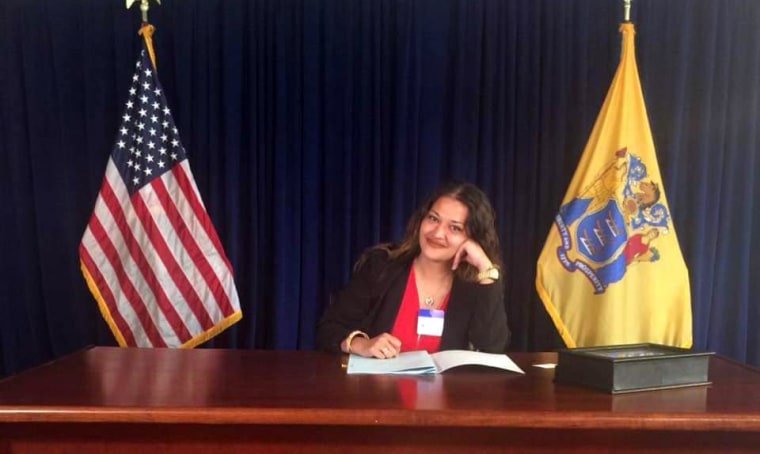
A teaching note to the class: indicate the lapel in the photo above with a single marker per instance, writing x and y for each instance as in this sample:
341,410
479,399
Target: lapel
456,315
390,289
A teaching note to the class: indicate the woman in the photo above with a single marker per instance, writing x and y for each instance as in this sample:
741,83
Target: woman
445,269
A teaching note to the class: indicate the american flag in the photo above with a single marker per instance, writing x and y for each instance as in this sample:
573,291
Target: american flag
150,255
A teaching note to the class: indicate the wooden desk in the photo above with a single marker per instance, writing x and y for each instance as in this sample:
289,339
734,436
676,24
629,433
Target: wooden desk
188,401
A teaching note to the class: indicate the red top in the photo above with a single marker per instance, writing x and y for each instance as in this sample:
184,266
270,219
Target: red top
405,325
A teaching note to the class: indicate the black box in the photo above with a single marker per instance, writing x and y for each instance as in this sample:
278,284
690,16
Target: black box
633,367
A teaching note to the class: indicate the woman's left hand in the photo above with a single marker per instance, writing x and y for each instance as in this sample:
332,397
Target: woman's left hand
472,253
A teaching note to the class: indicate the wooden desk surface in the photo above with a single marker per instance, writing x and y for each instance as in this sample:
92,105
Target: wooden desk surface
114,385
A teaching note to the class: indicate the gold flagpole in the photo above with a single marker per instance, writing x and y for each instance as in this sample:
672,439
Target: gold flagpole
146,30
626,10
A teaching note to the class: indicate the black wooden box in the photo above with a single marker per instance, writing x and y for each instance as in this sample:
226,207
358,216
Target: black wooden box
633,367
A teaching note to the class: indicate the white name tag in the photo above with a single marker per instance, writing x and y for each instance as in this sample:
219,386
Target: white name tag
430,322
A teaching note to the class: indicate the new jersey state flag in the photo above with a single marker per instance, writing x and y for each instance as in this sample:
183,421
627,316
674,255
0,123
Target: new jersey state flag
611,271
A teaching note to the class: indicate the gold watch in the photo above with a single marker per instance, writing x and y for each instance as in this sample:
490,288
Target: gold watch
490,273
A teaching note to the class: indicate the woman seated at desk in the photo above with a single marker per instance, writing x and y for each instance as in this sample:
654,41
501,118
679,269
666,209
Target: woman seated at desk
439,289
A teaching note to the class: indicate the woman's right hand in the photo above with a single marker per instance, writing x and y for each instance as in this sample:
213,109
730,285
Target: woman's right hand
382,346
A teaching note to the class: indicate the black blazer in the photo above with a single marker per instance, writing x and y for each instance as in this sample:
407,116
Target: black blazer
475,315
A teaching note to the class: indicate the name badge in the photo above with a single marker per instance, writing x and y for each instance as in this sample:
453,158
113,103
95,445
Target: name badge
430,322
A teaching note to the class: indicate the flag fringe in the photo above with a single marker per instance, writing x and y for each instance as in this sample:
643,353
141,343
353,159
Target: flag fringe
214,330
556,318
102,305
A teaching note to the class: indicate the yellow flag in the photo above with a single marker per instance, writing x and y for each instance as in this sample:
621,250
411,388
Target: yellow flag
611,270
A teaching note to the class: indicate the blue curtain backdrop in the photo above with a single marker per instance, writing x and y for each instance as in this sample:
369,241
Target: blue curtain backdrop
315,127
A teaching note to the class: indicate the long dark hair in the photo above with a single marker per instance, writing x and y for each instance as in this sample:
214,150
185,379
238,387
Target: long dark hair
480,226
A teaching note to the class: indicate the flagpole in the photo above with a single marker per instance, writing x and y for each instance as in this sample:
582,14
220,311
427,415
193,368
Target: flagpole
146,30
144,7
626,10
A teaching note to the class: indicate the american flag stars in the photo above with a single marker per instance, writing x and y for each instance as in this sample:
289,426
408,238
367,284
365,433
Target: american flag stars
148,144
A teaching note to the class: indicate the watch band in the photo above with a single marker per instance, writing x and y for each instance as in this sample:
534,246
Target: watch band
490,273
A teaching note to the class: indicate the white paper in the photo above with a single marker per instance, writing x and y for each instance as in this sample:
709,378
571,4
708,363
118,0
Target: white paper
451,358
420,362
414,363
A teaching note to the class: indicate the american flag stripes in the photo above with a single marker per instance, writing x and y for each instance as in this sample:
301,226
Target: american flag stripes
149,254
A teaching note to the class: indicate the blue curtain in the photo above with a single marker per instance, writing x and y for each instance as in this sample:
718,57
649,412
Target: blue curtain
315,127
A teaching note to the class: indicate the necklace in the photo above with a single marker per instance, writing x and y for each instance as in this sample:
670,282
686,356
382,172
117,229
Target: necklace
429,299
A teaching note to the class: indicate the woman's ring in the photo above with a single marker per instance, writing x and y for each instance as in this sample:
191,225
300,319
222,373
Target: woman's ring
384,350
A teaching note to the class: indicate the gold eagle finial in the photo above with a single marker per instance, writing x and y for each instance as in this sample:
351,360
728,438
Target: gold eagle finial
144,6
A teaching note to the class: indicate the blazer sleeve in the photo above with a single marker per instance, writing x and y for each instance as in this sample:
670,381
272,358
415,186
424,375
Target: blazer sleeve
352,305
488,330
